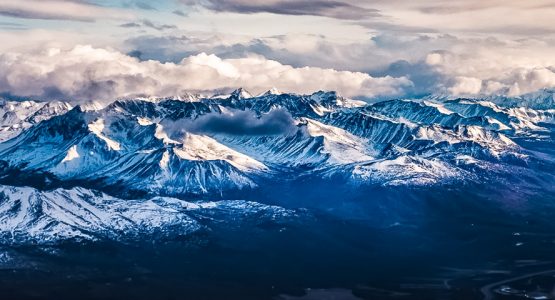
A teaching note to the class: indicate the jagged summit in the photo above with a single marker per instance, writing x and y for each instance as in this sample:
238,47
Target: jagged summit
272,91
241,93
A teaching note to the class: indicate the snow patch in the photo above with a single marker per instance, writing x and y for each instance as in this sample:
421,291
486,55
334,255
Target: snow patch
71,154
97,127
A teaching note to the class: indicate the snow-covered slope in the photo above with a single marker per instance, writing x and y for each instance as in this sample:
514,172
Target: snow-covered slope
119,149
29,216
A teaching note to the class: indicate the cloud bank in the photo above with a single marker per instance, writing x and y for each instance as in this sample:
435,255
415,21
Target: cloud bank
434,63
86,73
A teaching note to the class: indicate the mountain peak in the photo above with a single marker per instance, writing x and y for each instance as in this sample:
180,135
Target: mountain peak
272,91
241,93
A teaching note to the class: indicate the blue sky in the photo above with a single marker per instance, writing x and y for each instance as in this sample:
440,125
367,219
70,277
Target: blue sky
365,49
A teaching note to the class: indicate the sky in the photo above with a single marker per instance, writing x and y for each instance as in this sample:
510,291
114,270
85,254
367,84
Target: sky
82,50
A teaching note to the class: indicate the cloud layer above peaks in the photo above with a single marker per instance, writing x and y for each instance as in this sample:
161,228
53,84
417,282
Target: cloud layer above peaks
86,73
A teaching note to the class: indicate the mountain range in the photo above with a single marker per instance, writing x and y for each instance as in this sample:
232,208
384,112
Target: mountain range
133,166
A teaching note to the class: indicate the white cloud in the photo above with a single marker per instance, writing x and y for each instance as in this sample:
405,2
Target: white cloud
486,68
526,81
87,73
433,59
465,86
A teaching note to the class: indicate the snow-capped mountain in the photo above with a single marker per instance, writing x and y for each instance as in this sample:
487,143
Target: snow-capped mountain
17,116
153,147
542,99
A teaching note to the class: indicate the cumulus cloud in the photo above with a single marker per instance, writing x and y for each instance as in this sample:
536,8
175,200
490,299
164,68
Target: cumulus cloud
487,68
468,67
465,86
87,73
526,81
58,10
434,63
298,50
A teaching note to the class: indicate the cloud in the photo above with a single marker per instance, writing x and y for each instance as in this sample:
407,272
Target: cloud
86,73
144,5
461,6
12,26
297,50
491,67
526,81
385,65
465,86
149,24
131,25
406,16
276,122
59,10
527,18
338,9
179,13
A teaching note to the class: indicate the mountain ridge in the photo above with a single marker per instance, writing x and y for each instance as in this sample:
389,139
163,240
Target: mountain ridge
150,146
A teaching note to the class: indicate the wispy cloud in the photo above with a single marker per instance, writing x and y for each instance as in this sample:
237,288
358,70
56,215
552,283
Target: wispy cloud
148,24
144,5
328,8
12,26
408,16
179,13
59,10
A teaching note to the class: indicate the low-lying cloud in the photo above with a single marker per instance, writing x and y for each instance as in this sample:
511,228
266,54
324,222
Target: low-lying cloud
276,122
